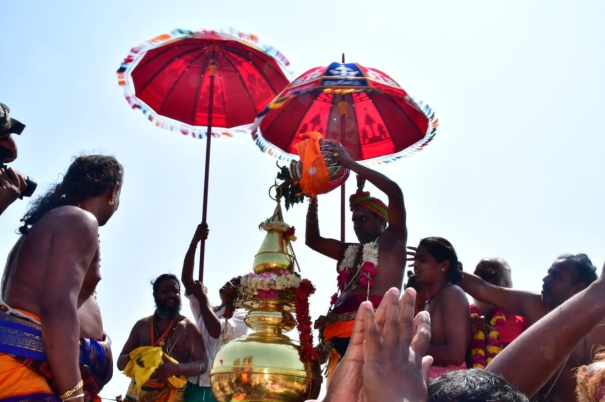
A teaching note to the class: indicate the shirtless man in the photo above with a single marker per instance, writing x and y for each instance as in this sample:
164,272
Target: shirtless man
178,337
48,285
381,230
567,276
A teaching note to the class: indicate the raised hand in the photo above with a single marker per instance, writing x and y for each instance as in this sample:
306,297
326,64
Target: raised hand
201,233
395,366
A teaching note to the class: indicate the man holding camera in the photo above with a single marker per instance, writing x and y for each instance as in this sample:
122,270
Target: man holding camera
12,183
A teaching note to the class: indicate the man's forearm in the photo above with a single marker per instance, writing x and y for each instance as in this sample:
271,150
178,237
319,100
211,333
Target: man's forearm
383,183
192,368
61,336
188,267
211,321
312,227
123,360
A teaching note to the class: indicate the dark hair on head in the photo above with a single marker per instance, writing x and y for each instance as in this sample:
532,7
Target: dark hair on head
587,273
162,278
502,272
87,177
443,250
473,385
236,280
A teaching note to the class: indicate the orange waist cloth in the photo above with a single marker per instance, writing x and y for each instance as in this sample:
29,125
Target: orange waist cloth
342,329
18,380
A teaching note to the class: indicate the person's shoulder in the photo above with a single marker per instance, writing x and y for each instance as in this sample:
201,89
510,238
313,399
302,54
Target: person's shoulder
454,292
144,321
70,217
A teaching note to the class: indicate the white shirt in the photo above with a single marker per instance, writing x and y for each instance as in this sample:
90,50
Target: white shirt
236,327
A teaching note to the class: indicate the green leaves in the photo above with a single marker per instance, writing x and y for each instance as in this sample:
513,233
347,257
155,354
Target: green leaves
290,191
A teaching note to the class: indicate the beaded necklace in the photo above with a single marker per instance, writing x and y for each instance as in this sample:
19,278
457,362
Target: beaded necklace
168,334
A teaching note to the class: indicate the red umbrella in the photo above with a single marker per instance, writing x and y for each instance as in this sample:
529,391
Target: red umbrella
189,81
361,107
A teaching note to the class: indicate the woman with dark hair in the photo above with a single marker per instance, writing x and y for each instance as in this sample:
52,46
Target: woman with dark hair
436,272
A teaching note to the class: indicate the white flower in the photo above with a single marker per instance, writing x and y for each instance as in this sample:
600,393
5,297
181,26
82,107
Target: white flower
271,224
279,281
349,257
370,253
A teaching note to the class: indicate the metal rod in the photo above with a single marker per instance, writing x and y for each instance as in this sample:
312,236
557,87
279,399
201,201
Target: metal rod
343,117
212,69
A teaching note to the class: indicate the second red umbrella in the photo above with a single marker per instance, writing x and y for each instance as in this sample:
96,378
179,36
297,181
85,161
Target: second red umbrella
361,107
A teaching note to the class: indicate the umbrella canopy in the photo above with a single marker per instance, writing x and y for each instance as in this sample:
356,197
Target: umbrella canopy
168,79
361,107
191,81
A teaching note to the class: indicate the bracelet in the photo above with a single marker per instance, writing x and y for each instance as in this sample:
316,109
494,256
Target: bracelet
74,397
193,245
72,391
312,220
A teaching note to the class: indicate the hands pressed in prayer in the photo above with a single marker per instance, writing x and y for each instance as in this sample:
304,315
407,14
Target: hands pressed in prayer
385,359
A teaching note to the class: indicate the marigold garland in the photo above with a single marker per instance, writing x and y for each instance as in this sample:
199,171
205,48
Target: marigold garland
485,348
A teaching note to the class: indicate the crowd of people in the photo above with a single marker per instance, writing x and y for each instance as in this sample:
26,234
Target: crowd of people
379,342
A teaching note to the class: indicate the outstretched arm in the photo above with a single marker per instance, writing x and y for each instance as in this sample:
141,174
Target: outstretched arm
518,302
201,307
131,344
329,247
532,359
201,232
396,208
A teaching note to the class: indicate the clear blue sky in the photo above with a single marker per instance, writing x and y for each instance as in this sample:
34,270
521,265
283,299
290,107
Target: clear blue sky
515,169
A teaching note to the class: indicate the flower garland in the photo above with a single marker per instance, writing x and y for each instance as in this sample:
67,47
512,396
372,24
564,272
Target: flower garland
307,352
482,352
368,269
279,226
231,296
269,284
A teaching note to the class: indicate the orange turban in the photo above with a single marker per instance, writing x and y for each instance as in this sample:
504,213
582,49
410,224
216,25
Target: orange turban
363,199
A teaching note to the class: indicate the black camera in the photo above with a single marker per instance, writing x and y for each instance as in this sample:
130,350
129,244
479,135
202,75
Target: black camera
31,185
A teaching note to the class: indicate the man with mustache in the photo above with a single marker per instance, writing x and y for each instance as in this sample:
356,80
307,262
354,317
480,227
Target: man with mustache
567,276
182,348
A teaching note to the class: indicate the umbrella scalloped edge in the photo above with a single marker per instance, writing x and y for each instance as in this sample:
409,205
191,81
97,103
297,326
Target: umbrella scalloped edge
269,148
136,54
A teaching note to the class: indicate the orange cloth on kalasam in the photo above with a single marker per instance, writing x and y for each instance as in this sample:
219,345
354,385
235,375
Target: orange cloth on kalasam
315,176
363,199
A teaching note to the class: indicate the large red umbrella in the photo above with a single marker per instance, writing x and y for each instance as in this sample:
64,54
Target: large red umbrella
191,81
361,107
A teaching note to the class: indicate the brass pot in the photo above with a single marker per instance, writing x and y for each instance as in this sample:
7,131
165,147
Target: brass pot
274,254
263,366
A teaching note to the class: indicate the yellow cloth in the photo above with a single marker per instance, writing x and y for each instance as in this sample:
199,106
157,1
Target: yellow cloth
154,392
315,175
18,380
144,361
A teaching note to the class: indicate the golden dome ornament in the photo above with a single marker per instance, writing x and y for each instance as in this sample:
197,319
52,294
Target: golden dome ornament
267,365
